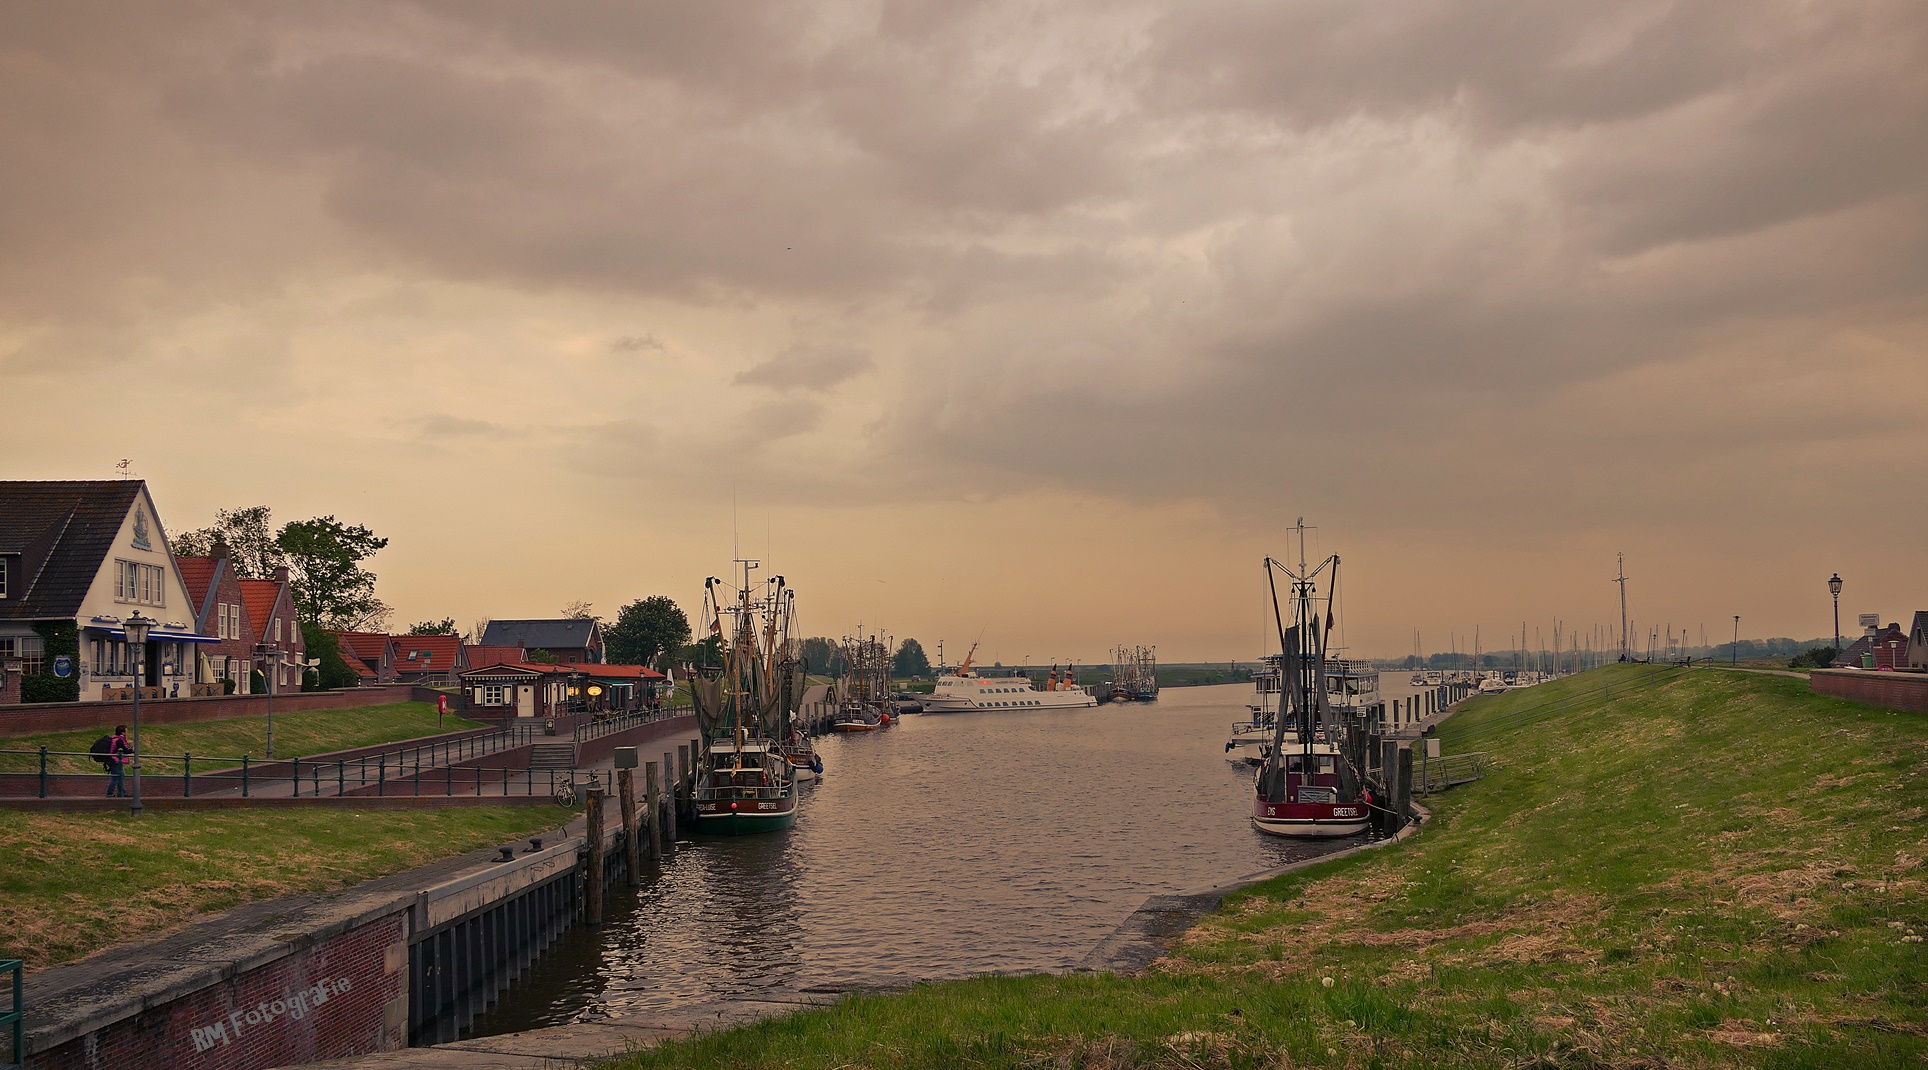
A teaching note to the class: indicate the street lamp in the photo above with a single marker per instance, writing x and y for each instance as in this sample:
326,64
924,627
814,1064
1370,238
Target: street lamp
1735,655
272,658
1834,588
136,627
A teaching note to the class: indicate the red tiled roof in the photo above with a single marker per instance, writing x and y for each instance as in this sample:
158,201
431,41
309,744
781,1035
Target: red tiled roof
426,653
260,595
481,657
365,645
356,665
197,573
538,668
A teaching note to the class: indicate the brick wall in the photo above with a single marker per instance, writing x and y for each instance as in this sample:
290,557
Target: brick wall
345,995
1895,690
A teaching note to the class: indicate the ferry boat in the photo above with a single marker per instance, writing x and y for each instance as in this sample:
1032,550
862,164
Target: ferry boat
965,690
745,706
1252,738
1306,787
747,785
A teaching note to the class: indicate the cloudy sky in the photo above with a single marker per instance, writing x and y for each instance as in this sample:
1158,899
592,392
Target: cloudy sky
1034,322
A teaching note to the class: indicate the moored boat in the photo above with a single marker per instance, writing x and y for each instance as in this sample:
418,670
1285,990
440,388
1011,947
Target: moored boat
747,786
745,699
1306,786
964,689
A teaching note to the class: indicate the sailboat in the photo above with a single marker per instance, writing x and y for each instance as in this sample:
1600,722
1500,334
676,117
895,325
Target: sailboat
746,701
1307,786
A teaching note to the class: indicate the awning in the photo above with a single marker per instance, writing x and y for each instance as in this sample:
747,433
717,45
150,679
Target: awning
155,635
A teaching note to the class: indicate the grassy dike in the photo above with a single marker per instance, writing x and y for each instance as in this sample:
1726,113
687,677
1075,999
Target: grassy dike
1706,869
71,884
304,733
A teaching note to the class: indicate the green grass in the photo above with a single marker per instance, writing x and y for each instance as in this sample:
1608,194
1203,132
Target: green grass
1704,869
71,884
304,733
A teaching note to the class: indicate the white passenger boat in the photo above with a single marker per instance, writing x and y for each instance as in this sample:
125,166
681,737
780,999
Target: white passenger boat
965,690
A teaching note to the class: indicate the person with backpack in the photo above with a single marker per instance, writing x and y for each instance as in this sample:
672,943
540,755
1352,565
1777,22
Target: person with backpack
118,748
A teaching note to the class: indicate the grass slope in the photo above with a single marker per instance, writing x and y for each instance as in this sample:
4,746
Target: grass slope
71,884
303,733
1705,869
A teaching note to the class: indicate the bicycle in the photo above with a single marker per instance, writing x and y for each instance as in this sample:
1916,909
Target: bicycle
566,794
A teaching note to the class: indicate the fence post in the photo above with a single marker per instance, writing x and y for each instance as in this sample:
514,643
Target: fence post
381,775
187,776
43,772
341,777
244,776
297,776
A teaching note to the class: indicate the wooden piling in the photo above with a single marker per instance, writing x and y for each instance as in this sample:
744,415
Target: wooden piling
632,832
1405,788
593,886
652,788
669,804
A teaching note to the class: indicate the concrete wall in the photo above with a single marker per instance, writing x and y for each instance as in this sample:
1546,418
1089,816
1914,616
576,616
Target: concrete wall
1895,690
19,720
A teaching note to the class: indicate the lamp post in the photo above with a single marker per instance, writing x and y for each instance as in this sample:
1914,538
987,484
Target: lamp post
1834,588
272,658
136,628
1734,657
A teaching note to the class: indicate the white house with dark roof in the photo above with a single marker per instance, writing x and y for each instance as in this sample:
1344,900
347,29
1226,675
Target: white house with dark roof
77,558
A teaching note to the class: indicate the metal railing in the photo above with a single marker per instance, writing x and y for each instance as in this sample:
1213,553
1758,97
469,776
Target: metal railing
610,724
1438,774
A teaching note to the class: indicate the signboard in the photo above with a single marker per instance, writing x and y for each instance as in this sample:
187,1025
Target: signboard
1871,620
63,666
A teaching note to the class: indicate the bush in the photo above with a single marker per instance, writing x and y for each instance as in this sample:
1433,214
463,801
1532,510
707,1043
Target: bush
1819,657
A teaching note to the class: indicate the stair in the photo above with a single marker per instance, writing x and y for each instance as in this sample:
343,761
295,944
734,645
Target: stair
558,756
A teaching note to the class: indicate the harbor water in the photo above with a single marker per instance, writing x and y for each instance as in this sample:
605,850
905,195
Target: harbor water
945,846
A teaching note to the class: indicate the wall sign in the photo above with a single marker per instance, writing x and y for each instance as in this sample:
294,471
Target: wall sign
63,666
140,530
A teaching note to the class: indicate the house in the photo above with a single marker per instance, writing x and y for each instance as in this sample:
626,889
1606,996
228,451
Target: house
428,659
479,657
570,640
271,607
1886,646
376,651
220,611
520,689
621,687
77,559
1918,642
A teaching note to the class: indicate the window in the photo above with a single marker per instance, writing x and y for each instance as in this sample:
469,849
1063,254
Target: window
277,629
135,582
494,695
3,577
28,649
221,617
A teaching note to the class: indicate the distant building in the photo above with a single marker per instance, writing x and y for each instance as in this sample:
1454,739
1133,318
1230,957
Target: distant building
375,650
428,659
481,657
1888,646
271,606
77,558
570,640
522,689
220,611
1918,642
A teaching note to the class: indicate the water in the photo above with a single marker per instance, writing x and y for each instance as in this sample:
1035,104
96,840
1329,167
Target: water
946,846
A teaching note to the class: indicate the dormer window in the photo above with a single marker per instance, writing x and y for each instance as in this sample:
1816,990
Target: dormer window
4,563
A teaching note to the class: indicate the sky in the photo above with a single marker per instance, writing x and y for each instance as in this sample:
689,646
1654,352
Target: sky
1034,325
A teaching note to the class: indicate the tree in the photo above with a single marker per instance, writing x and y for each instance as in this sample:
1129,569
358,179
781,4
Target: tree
910,660
333,672
706,651
324,565
823,656
579,610
645,628
542,657
248,536
445,626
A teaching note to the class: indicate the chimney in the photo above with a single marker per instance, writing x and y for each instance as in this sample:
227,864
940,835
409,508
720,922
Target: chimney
281,574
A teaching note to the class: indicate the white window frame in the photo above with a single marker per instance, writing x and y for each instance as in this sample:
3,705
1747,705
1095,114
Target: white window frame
495,694
3,576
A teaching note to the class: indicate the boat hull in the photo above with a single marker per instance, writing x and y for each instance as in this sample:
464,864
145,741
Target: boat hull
854,726
717,819
1316,821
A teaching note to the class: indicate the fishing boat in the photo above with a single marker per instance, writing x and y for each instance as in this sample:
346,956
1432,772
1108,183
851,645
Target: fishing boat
805,763
746,696
1307,787
862,690
964,689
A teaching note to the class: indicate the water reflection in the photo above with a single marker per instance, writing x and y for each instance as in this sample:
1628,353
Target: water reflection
946,846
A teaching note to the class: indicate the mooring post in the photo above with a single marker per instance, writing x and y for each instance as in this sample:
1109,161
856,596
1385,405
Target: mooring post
653,788
1405,781
668,820
593,888
632,833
